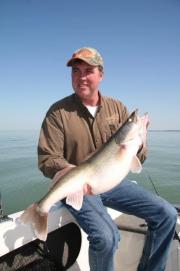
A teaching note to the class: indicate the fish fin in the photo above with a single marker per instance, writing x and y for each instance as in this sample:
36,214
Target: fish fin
75,199
38,220
136,166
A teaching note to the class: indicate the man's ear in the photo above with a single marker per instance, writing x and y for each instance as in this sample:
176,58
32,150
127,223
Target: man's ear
101,75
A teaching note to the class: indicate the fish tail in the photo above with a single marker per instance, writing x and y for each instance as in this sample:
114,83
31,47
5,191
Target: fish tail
38,219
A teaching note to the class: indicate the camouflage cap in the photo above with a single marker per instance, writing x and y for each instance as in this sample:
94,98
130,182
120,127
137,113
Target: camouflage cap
87,54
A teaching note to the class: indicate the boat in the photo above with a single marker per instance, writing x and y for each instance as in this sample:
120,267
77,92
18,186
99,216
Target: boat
66,247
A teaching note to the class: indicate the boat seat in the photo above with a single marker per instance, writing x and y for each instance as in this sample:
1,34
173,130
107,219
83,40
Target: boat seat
131,223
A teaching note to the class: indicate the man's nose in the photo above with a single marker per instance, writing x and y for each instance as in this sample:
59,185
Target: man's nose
83,76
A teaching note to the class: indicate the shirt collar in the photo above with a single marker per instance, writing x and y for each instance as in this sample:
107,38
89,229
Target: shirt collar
78,100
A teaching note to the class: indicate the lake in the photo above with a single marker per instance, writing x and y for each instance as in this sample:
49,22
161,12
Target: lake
21,182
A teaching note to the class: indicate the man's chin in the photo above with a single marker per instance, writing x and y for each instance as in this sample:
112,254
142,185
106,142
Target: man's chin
83,94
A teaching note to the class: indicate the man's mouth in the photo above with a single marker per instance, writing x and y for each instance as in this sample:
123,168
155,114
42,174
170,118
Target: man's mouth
82,86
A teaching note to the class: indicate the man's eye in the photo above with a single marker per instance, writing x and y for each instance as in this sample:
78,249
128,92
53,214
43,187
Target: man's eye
75,70
89,70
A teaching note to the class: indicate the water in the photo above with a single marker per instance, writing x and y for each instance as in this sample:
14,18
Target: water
162,165
21,182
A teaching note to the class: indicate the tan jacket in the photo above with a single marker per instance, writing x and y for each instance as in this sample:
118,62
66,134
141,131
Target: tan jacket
69,133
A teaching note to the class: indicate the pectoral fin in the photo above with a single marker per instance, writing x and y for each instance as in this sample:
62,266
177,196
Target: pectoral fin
75,199
136,166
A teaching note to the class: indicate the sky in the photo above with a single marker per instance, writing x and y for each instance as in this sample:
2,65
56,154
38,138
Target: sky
139,41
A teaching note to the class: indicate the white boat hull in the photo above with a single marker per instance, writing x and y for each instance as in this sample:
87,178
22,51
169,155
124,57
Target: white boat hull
14,235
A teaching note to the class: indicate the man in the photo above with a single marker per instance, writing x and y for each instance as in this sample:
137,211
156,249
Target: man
74,128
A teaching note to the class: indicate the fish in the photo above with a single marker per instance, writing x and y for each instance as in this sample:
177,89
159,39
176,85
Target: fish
101,172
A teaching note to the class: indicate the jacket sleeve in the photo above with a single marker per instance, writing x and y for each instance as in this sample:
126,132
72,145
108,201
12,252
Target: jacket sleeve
51,146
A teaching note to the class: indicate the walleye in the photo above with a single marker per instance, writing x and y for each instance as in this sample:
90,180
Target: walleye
101,172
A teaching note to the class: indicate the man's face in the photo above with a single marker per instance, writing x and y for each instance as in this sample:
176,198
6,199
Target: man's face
86,80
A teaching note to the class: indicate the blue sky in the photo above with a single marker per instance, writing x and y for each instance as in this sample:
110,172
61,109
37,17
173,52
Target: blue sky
138,39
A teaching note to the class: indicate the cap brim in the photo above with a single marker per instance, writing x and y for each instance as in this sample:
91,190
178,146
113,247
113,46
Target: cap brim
72,60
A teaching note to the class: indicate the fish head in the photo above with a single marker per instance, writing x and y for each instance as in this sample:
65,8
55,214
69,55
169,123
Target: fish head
134,127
